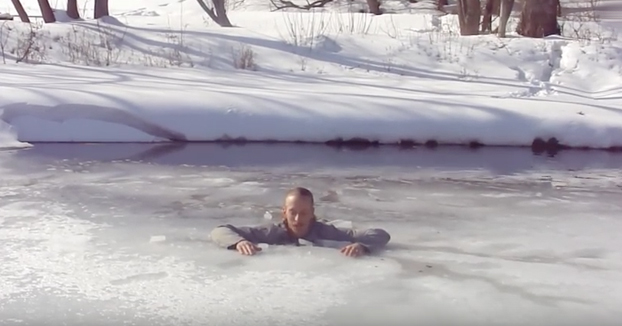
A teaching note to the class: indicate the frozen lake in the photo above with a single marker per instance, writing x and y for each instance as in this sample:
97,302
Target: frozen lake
486,237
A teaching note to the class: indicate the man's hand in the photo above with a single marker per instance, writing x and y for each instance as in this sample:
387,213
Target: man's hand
247,248
354,250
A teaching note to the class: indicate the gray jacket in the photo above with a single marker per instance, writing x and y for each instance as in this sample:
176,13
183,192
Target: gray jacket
320,234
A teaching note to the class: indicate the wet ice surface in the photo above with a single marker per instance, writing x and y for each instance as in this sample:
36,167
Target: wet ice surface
118,235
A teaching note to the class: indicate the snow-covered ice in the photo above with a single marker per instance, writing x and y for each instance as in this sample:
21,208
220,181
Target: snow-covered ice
537,242
158,72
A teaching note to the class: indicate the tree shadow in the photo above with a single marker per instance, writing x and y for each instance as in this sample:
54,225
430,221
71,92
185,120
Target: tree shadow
328,57
283,114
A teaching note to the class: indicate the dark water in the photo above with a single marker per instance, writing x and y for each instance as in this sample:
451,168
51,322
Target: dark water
302,157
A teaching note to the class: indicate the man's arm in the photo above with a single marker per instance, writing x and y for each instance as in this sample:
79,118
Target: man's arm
227,236
371,239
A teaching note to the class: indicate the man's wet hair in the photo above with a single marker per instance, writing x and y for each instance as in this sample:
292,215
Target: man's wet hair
301,192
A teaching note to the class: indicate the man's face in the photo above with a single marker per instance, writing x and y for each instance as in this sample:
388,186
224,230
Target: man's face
298,212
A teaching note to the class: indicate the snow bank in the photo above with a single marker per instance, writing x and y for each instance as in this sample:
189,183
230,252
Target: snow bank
96,105
322,76
8,137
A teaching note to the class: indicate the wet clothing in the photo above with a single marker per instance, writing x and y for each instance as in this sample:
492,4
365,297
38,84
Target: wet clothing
321,233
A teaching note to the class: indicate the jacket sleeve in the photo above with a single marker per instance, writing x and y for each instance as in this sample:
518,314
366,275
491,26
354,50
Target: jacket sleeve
227,236
372,239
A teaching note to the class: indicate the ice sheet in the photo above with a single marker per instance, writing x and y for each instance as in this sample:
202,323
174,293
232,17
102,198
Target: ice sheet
473,250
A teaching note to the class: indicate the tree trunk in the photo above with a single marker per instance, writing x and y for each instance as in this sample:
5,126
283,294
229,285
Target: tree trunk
218,14
221,13
504,15
72,9
538,19
101,9
20,11
47,12
374,7
469,14
491,8
440,4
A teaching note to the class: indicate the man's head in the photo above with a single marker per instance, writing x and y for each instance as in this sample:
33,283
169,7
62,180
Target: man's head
298,211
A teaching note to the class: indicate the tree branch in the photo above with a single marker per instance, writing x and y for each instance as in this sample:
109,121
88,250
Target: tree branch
282,4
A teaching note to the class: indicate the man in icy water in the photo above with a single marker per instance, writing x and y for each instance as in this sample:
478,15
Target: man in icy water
300,223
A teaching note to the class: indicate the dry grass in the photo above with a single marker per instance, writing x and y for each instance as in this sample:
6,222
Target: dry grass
85,45
5,33
244,58
581,21
31,46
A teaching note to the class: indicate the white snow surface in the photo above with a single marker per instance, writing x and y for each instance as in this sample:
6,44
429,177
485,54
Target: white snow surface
159,71
8,137
118,241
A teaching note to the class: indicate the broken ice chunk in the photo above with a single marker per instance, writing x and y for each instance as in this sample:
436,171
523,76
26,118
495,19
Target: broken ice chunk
157,238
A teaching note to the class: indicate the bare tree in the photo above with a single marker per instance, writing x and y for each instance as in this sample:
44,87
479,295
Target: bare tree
500,8
539,18
72,9
504,16
282,4
47,12
469,14
20,11
491,8
440,4
101,9
374,7
218,13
